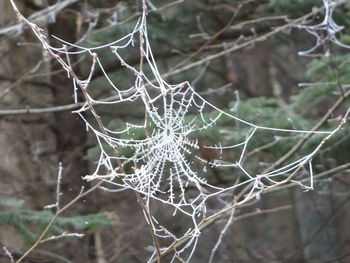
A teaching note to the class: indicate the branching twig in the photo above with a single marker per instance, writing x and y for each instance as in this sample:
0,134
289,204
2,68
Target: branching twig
172,72
262,38
53,219
45,15
216,35
303,140
145,175
211,219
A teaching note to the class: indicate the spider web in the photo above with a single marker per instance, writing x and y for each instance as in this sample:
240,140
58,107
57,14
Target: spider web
162,156
324,32
166,164
176,115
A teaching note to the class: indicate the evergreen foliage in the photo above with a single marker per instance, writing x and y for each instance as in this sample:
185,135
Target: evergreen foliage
30,223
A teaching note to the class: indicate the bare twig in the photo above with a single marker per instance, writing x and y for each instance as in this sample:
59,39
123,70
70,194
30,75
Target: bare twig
63,235
53,219
330,172
58,189
43,16
208,42
222,233
209,220
249,191
262,38
171,72
320,228
304,139
99,248
8,254
90,105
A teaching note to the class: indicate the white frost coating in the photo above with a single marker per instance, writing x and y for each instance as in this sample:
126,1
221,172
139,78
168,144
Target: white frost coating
325,32
162,158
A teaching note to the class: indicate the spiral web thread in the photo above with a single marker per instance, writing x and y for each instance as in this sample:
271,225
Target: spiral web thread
166,165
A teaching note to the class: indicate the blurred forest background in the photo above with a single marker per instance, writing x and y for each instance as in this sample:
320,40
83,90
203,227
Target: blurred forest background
275,86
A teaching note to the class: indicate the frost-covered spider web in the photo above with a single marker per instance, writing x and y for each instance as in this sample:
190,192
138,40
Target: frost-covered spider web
324,32
183,142
162,157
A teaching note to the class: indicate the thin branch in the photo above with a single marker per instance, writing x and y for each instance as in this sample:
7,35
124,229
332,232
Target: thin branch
262,38
263,212
58,189
172,72
8,254
335,212
211,219
303,140
330,172
53,219
43,16
90,105
222,233
63,235
208,42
